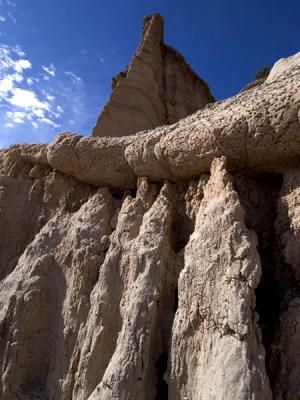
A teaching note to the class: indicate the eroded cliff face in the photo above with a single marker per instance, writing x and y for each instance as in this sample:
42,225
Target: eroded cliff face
162,265
157,88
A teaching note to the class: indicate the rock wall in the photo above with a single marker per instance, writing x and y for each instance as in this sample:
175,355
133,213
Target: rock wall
157,88
162,265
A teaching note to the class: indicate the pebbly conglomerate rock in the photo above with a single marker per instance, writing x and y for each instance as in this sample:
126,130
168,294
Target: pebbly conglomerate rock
161,265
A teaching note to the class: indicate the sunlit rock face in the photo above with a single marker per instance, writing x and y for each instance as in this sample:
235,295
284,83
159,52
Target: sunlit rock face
161,265
157,88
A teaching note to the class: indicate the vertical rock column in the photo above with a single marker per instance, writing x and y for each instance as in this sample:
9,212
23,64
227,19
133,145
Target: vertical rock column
147,300
216,350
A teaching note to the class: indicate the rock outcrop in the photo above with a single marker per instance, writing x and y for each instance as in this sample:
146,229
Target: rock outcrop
161,265
257,131
157,88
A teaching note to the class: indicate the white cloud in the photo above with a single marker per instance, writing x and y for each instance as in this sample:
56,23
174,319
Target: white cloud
74,77
48,121
18,120
22,64
6,84
30,81
49,97
31,98
19,114
50,69
16,117
6,60
17,77
39,113
11,70
2,19
17,49
27,99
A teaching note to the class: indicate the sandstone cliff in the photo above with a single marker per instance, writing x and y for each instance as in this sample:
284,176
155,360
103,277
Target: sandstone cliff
161,265
158,87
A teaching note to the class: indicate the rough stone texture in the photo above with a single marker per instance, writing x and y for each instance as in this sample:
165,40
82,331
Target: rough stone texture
157,88
94,290
285,350
151,266
253,84
284,66
257,130
286,354
215,325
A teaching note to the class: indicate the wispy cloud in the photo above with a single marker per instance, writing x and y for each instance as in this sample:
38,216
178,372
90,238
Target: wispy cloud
22,64
12,17
29,103
19,51
8,2
49,70
17,116
74,78
8,9
27,99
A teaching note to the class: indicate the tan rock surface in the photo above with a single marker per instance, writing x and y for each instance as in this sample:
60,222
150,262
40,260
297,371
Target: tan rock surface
157,88
216,344
257,130
284,66
180,288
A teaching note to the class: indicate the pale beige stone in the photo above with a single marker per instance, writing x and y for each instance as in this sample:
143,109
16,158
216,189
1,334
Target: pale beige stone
216,348
139,267
284,66
257,130
157,88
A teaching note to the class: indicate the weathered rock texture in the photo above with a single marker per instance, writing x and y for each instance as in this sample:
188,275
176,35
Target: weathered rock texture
162,265
157,88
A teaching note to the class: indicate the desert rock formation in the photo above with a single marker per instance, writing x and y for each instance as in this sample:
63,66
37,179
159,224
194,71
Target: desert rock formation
160,265
157,88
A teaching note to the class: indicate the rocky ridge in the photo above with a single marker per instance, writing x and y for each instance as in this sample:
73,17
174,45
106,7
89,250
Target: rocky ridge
161,265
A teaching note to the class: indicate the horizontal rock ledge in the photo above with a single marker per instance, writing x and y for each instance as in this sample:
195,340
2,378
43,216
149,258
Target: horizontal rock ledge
258,130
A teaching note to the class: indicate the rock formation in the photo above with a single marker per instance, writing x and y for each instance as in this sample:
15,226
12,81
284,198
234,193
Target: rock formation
161,265
157,88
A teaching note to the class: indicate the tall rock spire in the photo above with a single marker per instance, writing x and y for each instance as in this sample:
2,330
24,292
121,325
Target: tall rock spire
158,87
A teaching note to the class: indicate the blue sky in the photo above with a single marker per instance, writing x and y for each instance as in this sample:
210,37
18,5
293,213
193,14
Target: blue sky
57,57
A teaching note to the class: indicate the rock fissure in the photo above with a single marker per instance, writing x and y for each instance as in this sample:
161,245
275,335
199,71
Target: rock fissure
162,385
